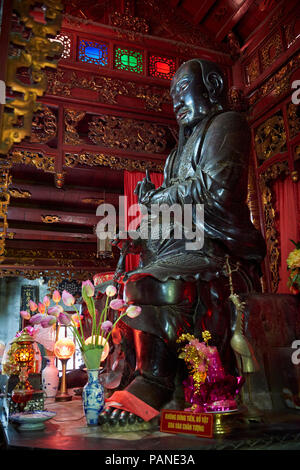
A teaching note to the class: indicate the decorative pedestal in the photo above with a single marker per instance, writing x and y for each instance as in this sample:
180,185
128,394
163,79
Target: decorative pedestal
93,398
226,422
50,378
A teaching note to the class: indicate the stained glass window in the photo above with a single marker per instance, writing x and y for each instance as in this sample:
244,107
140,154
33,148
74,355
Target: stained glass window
65,40
129,60
161,67
93,52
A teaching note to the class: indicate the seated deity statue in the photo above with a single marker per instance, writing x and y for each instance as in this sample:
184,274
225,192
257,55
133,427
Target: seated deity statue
181,283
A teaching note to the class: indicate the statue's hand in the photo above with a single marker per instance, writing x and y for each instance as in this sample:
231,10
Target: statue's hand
126,243
143,187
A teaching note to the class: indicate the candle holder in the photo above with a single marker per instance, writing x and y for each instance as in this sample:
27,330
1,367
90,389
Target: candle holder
63,350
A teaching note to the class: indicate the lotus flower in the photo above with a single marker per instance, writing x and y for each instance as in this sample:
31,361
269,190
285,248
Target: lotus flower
106,326
37,318
24,314
133,311
117,304
32,305
88,288
56,310
76,319
46,301
41,308
56,296
64,319
68,298
48,320
111,291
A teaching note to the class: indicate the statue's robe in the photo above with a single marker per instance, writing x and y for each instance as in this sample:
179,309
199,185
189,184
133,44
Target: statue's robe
211,169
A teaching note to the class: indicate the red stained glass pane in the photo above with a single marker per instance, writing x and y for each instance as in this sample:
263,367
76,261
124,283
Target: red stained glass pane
161,67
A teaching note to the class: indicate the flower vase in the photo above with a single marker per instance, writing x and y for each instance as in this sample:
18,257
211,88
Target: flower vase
93,398
50,378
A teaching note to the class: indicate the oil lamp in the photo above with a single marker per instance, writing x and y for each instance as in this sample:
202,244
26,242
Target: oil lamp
24,356
64,349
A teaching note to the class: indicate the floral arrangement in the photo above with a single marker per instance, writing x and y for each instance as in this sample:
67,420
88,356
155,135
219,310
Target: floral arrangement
91,348
293,265
196,357
207,388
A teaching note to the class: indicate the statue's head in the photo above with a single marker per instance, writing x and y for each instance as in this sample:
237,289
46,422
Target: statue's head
197,90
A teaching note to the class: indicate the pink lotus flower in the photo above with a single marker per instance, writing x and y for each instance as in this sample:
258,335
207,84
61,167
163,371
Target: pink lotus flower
76,319
32,305
68,298
36,319
48,320
41,308
56,310
133,311
24,314
56,296
88,288
106,326
117,304
110,291
64,319
46,301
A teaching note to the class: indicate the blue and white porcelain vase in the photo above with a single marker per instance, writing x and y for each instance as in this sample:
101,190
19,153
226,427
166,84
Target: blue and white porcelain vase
93,397
50,378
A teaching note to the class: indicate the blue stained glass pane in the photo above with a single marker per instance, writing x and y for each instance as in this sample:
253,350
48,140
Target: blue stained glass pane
93,52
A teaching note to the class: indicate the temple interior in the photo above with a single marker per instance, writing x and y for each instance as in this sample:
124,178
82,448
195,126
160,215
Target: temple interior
86,110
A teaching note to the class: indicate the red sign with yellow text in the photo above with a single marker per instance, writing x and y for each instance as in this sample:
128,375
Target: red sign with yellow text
175,421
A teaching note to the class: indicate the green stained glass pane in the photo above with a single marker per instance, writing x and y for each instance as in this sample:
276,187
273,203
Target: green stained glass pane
129,60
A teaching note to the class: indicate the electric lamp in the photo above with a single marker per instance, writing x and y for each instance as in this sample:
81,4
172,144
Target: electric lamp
99,341
24,356
64,349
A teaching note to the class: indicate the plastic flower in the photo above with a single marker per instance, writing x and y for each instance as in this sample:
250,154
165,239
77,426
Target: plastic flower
293,260
41,308
56,296
107,326
76,319
68,298
133,311
24,314
110,291
36,319
48,320
88,288
64,319
32,305
46,301
56,310
117,304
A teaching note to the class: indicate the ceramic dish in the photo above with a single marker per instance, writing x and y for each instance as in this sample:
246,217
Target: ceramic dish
31,420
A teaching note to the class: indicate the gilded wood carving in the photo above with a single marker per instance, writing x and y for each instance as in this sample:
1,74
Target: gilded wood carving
36,53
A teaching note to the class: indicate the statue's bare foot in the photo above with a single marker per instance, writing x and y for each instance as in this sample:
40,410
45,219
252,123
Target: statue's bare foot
116,420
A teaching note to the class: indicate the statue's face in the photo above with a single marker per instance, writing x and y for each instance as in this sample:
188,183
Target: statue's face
189,94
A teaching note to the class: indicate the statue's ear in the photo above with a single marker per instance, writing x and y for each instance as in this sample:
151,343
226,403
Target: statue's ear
215,85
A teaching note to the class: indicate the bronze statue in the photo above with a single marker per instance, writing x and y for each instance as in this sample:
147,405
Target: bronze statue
181,286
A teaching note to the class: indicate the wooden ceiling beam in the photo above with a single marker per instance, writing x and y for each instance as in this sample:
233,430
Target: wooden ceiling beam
204,7
50,236
40,215
89,199
233,20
